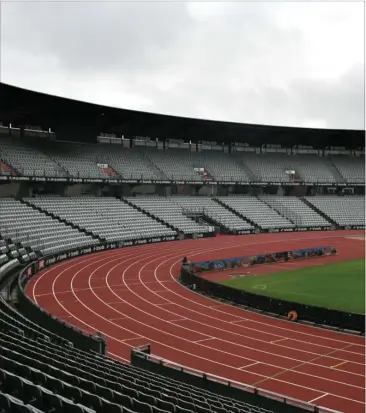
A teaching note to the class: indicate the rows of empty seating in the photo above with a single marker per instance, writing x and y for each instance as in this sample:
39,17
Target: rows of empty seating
267,167
222,166
10,251
36,230
79,160
129,163
169,212
344,210
272,167
107,218
256,211
83,161
81,221
26,160
86,160
176,164
208,207
352,169
312,168
40,375
181,164
293,208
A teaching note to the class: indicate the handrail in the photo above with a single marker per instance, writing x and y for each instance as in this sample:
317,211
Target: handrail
8,266
232,383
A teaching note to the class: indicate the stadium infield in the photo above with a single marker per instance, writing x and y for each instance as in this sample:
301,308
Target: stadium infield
337,286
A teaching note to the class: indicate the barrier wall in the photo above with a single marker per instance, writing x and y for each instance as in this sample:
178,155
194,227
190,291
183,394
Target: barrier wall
292,310
52,323
270,258
175,181
295,229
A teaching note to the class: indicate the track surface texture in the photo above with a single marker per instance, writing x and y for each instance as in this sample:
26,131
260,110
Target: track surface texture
132,296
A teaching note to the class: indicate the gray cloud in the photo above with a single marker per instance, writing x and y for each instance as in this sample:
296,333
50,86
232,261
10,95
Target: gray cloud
283,64
339,102
96,37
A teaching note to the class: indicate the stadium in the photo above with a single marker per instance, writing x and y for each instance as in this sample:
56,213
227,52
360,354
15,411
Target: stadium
98,207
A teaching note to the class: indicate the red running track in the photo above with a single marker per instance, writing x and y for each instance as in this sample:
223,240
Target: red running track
131,295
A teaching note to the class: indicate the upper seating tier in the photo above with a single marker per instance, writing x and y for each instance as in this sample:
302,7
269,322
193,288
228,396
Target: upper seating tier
102,161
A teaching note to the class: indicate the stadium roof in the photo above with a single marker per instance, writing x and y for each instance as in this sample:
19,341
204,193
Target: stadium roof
25,107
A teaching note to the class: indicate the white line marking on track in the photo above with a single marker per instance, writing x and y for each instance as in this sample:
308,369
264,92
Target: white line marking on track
164,304
250,365
293,369
317,398
279,340
204,339
137,283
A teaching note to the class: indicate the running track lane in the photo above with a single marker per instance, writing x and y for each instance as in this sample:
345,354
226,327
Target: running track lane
131,295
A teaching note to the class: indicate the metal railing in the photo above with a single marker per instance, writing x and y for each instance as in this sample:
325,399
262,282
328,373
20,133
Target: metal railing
285,211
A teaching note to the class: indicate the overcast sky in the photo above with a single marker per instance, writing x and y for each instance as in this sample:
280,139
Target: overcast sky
289,63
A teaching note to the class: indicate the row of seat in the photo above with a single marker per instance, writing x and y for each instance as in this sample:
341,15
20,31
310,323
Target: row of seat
170,212
257,211
296,210
210,208
345,210
28,226
87,161
105,217
44,372
10,251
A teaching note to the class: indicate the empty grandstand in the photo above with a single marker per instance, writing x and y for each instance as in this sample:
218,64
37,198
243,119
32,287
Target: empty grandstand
102,161
296,210
24,224
170,213
352,169
344,211
257,212
206,207
106,218
26,160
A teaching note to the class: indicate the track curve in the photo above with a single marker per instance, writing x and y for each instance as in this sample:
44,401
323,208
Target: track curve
132,296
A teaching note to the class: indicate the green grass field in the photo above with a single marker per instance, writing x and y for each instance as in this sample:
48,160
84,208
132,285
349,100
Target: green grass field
339,286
